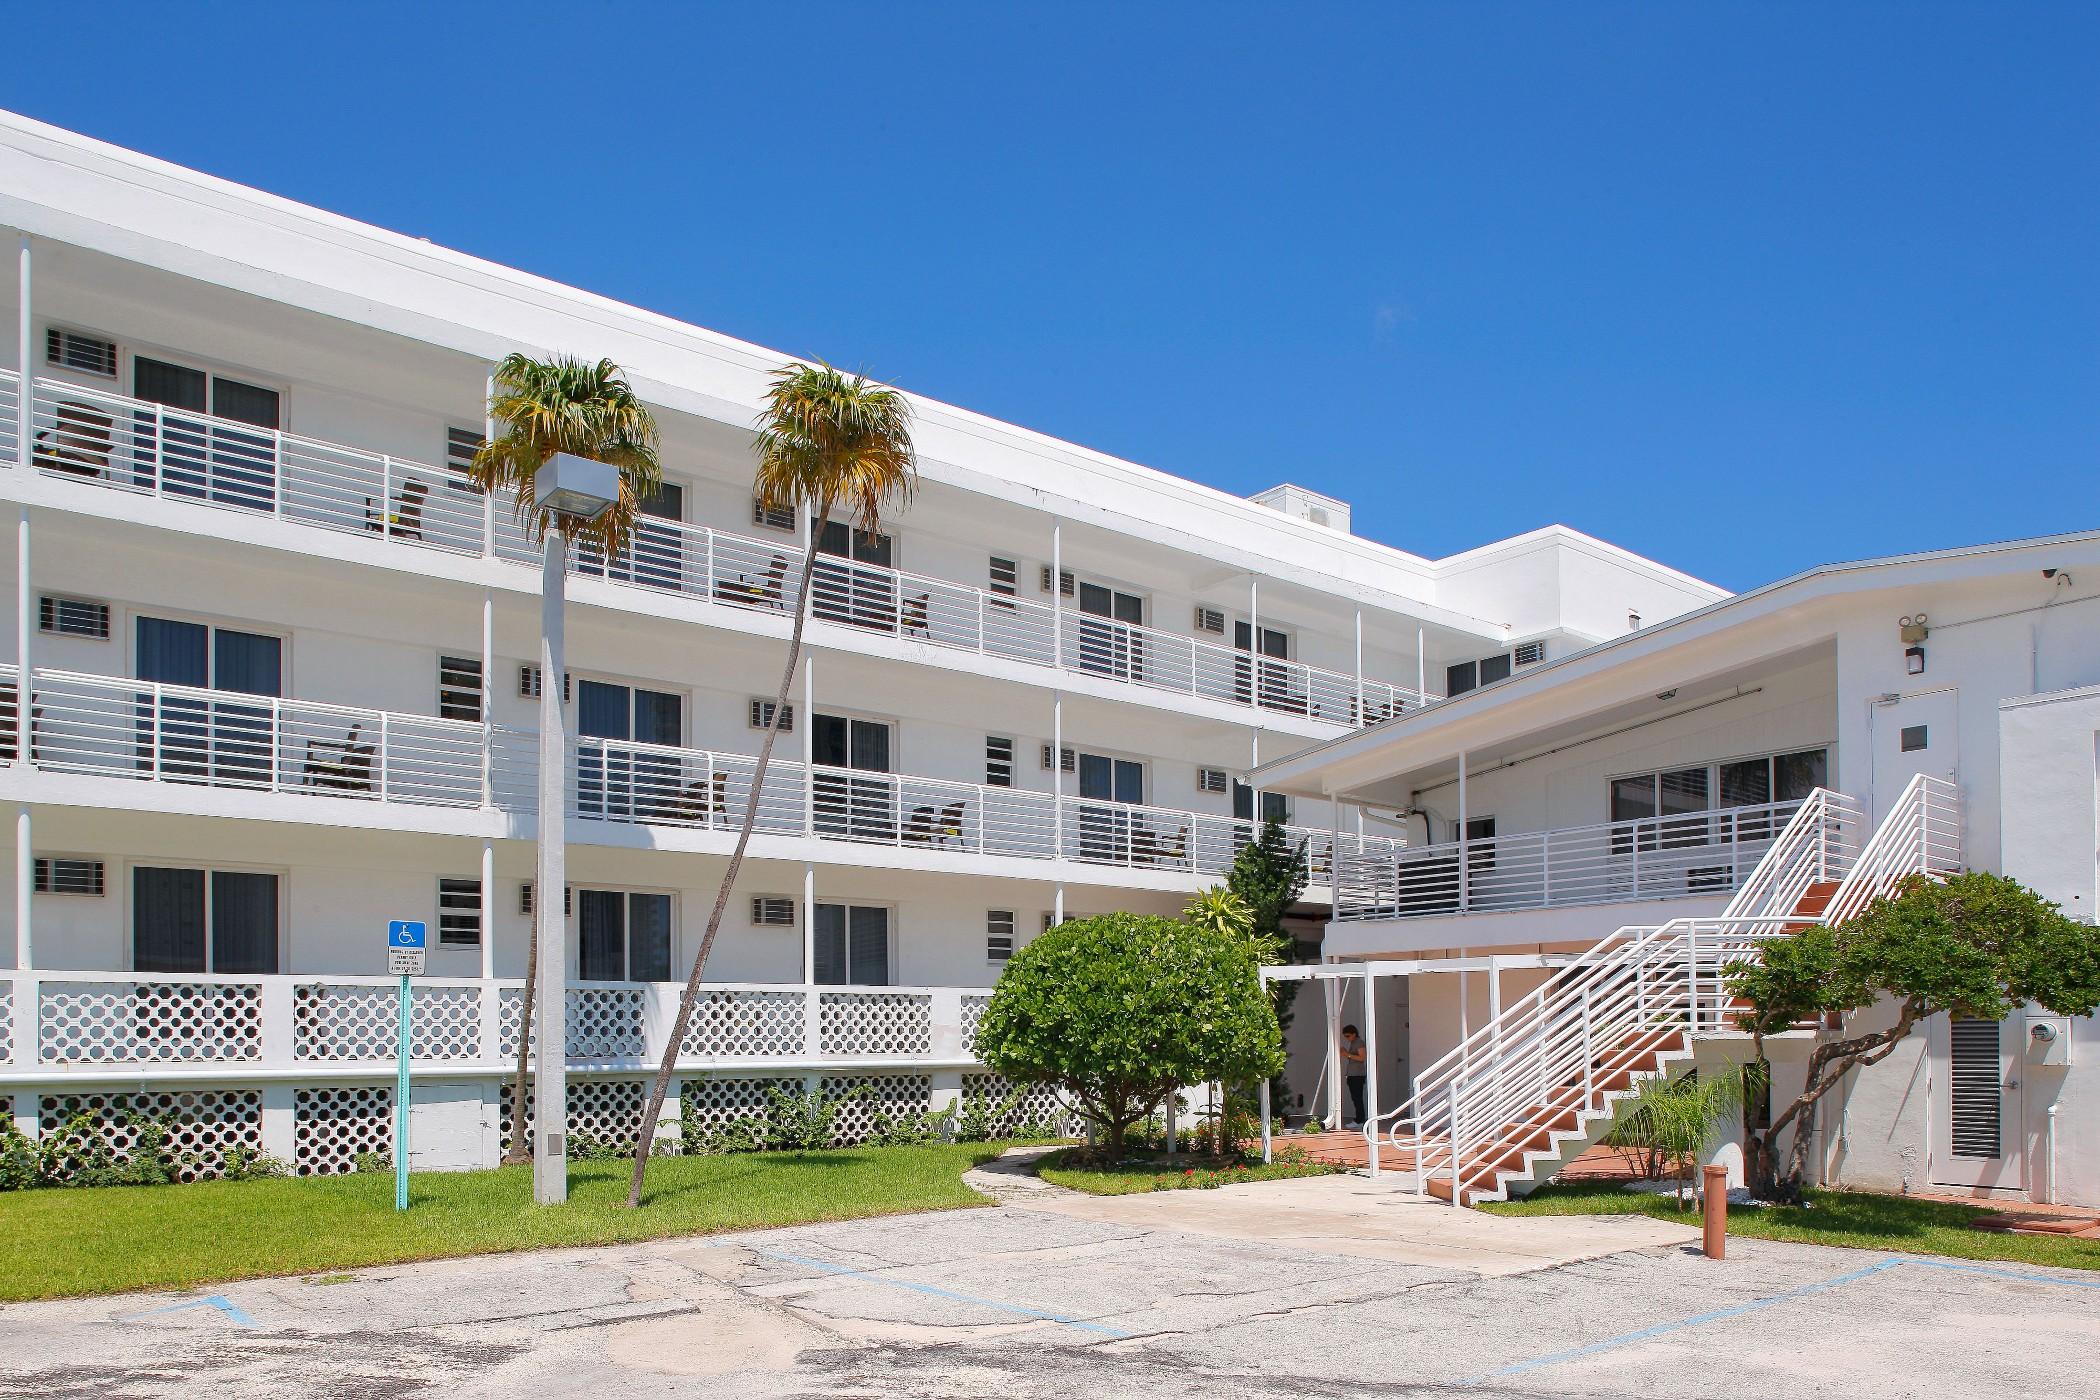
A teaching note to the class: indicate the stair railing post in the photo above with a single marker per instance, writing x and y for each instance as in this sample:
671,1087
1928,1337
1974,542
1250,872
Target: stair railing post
1451,1096
1588,1061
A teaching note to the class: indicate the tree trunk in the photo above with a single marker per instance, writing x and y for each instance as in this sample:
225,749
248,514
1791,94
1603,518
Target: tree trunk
1827,1068
689,997
519,1149
1116,1127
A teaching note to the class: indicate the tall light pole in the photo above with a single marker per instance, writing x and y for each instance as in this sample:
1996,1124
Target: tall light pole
567,491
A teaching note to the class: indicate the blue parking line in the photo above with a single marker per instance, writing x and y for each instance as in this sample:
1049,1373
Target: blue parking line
932,1291
220,1301
1806,1290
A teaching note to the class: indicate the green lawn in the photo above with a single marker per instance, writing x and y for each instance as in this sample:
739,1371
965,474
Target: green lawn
1850,1219
1158,1174
69,1241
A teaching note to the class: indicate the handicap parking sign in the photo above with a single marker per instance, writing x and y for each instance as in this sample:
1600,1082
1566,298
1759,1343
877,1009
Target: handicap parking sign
406,933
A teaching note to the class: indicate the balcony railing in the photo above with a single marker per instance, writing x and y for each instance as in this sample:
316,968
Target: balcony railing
69,1022
111,440
1674,857
152,732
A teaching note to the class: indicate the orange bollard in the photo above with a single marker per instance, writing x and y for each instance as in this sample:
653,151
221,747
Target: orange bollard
1716,1213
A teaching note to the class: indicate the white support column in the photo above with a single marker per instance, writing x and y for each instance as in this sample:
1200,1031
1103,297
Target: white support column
1057,594
25,645
488,498
1464,874
1421,663
26,340
488,911
1360,719
1331,1003
25,896
1334,856
1268,1130
1370,1018
488,711
809,924
809,744
550,1159
1057,781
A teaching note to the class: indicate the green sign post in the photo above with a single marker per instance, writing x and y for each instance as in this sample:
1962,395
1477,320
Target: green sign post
406,940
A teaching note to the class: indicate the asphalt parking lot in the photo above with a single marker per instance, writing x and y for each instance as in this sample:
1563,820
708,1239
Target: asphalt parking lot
1052,1295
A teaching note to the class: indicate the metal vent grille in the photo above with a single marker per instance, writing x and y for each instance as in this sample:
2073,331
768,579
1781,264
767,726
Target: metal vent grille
87,354
1066,584
1213,780
1975,1101
1067,761
762,715
568,899
772,911
68,875
1210,620
1529,654
73,617
772,517
529,683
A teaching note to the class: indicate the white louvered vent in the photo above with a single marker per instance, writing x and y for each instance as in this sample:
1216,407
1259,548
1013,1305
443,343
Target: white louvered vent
998,761
529,683
73,617
68,875
1067,761
1210,620
998,935
1005,576
568,899
762,715
772,911
772,517
1213,780
459,913
88,354
1975,1101
1529,654
1066,584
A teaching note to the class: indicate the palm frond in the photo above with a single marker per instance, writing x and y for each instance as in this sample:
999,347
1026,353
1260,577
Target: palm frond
829,439
543,407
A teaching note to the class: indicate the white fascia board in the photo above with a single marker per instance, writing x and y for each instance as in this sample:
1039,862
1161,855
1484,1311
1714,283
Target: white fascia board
131,206
1764,621
1568,537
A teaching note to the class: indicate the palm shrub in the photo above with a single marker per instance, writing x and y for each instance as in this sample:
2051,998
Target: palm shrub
1668,1124
826,441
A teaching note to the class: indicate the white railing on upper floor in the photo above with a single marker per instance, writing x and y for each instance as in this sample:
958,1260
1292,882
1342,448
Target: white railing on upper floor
1675,857
149,731
64,1022
115,441
10,405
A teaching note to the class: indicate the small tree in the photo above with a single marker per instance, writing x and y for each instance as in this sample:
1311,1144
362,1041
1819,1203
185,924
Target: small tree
1668,1123
1268,875
1976,945
1117,1010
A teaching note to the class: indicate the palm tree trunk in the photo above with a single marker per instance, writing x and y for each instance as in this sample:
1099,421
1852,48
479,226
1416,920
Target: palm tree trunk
688,998
519,1150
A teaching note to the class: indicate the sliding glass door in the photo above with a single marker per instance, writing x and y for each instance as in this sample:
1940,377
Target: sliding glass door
204,456
623,935
203,740
852,945
188,920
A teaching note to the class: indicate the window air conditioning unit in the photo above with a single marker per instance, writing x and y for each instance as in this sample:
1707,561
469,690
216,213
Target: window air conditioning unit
1067,762
762,715
1213,780
772,911
1065,582
73,617
86,354
1210,620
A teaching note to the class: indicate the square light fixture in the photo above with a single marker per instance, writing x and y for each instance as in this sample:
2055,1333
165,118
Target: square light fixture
575,486
1914,660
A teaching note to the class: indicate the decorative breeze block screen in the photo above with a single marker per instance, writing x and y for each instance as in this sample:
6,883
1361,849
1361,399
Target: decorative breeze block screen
744,1025
607,1110
876,1023
332,1126
358,1022
204,1123
157,1022
892,1096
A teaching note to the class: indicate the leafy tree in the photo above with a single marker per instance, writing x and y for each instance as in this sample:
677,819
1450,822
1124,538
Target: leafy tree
1268,875
1119,1009
544,407
1221,911
1974,946
825,440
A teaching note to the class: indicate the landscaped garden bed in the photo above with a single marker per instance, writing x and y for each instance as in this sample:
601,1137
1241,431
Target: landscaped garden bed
1082,1169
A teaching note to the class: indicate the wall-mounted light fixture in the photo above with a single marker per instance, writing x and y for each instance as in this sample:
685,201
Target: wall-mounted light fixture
1914,660
1633,622
1913,630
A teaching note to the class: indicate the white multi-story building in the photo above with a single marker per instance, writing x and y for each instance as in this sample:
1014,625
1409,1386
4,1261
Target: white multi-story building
270,687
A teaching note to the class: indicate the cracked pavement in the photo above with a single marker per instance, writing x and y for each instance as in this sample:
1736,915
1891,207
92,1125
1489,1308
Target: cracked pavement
1322,1287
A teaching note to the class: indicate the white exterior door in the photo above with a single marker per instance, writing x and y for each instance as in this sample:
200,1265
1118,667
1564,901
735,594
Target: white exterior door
1917,734
1975,1103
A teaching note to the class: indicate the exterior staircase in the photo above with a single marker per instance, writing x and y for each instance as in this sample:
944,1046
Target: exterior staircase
1536,1086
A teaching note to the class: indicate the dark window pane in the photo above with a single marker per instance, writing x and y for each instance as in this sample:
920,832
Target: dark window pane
828,740
1494,668
601,935
174,653
243,922
667,503
1796,775
602,711
244,403
829,938
1914,737
177,386
656,718
1130,781
1746,784
248,663
1684,791
871,746
1095,599
1096,777
167,920
649,938
1633,798
870,951
1461,678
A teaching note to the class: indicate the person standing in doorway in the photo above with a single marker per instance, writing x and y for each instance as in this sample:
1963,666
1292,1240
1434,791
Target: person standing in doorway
1353,1071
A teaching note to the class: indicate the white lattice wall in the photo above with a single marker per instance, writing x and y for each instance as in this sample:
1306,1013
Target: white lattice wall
876,1023
334,1022
7,1019
972,1013
204,1123
1036,1104
894,1096
744,1025
332,1126
609,1110
155,1022
712,1104
604,1023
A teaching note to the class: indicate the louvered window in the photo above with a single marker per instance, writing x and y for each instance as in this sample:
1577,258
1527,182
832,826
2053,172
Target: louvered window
1975,1099
772,517
998,761
772,911
761,715
1067,761
1213,780
568,899
1005,576
459,688
1210,620
67,875
459,913
998,935
86,354
73,617
460,446
529,683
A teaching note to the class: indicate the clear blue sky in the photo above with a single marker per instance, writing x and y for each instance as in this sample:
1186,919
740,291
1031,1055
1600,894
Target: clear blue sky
1742,288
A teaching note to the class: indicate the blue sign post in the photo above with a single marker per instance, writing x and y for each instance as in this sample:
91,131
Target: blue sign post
406,943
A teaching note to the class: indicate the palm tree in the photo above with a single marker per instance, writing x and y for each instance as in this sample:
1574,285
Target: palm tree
542,407
825,440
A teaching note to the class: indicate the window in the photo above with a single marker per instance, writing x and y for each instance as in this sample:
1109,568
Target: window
459,913
762,715
1912,738
1680,800
772,911
73,617
1005,577
1471,675
212,739
623,935
1786,777
211,461
1275,807
86,354
459,688
852,945
857,808
772,517
1265,649
606,710
460,446
998,935
998,761
191,920
67,875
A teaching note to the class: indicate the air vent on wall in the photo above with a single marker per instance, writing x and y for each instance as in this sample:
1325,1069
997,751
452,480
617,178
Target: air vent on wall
73,617
772,911
998,935
529,683
67,875
1067,761
568,899
762,715
85,353
1066,584
772,517
1529,654
1209,620
1213,780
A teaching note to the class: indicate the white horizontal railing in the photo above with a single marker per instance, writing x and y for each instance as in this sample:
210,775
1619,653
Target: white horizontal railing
1698,853
72,1022
111,440
152,732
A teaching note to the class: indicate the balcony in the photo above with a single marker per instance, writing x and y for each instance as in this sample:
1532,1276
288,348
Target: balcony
97,1025
112,441
1694,855
146,731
